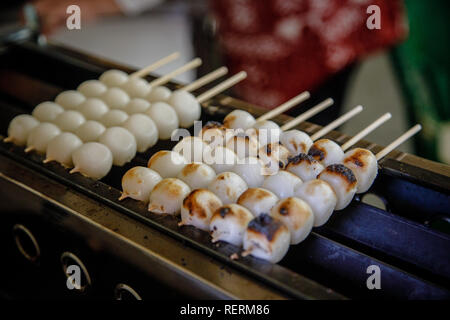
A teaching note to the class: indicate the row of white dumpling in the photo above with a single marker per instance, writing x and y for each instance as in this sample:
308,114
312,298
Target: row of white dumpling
306,161
135,95
90,123
80,108
317,193
92,159
355,173
171,195
99,147
308,158
206,210
338,182
230,185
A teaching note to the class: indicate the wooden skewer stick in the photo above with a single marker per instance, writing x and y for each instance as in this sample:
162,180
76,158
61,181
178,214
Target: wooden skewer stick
123,196
366,131
247,252
29,149
284,107
200,82
222,86
166,78
145,71
74,170
394,144
8,139
308,114
336,123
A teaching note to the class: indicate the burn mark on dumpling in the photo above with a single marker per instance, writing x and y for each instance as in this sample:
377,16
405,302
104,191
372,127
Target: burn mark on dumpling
254,194
299,147
173,187
190,168
284,211
197,208
357,158
192,205
223,211
300,158
269,149
156,156
317,153
213,125
229,119
130,174
265,225
344,172
286,206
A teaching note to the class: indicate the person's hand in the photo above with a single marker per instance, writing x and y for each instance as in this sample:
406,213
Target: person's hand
52,13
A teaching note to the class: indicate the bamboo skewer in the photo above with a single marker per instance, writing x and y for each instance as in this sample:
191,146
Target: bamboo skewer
366,131
308,114
166,78
145,71
284,107
394,144
336,123
222,86
200,82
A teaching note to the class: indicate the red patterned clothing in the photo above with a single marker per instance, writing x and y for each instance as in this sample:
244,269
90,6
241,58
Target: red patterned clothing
288,46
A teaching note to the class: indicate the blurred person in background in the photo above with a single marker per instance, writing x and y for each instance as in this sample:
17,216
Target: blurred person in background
288,46
423,67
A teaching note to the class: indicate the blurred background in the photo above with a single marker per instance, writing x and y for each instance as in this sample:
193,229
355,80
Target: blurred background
286,46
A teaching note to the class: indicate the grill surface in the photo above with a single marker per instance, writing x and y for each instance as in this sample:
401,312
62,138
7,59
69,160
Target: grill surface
409,240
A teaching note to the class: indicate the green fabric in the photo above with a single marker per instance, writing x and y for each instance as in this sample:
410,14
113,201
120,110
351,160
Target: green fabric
424,68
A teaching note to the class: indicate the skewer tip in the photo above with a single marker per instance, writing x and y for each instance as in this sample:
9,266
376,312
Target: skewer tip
197,61
247,252
234,256
123,196
29,149
8,139
410,133
74,170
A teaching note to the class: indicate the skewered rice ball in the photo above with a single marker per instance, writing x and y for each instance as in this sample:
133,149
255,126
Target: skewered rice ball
19,129
93,160
121,143
229,223
167,196
138,182
47,111
61,148
198,208
296,215
90,131
167,163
